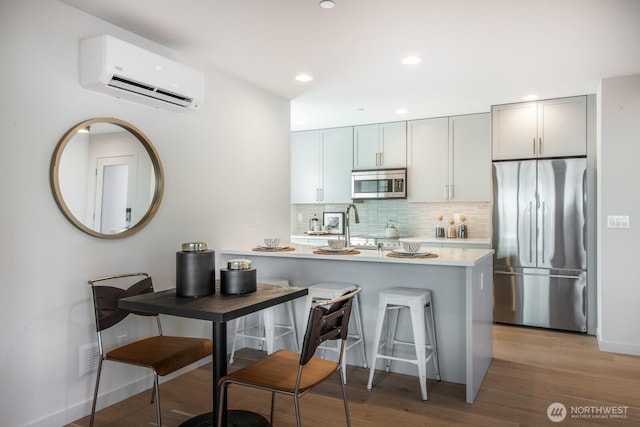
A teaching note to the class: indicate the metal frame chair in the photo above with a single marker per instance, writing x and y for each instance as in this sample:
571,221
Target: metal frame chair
161,353
294,374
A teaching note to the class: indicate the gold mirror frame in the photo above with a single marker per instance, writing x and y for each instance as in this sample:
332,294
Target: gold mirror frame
155,161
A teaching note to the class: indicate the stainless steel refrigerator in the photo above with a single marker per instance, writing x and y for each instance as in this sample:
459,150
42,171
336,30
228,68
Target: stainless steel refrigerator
539,238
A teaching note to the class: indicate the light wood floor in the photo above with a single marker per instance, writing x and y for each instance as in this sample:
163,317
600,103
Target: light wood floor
531,369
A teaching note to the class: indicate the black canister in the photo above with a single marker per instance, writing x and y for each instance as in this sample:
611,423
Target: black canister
236,282
195,271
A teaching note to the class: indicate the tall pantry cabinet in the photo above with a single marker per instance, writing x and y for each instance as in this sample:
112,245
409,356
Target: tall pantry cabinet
321,162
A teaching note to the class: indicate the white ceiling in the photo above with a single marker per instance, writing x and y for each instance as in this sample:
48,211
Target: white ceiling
475,53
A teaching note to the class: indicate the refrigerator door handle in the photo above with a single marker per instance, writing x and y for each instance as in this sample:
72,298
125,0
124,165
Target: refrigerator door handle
544,228
558,276
531,232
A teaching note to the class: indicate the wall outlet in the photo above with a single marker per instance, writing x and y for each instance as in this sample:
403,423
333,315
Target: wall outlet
256,220
88,358
123,339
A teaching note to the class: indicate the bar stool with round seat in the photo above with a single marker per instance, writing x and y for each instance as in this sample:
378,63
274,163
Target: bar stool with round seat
267,330
330,290
417,302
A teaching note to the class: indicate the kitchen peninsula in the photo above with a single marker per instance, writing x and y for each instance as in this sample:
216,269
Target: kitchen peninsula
460,280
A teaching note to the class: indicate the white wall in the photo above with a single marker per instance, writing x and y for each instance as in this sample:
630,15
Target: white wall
619,152
224,165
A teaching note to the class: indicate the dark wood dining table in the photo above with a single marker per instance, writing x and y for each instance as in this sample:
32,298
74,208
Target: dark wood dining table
218,309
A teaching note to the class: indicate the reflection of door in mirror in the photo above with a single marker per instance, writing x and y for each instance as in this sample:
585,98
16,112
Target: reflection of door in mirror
115,186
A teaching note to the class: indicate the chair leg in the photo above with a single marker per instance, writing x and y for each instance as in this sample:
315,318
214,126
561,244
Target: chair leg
376,343
223,396
292,322
95,393
344,397
392,328
419,336
431,331
273,404
235,338
269,316
358,314
296,404
156,387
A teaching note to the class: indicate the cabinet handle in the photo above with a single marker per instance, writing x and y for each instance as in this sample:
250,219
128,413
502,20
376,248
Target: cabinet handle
446,192
450,192
377,159
540,145
381,159
534,146
319,195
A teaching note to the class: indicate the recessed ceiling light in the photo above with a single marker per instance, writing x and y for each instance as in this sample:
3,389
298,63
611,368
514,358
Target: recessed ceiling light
530,97
304,78
327,4
411,60
402,111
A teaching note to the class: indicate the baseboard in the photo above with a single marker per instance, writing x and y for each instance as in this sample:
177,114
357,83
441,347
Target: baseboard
81,409
617,347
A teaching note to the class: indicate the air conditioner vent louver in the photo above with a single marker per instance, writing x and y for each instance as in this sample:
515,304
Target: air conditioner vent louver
150,91
111,66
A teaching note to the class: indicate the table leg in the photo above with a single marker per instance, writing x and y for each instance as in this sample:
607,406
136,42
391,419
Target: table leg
236,418
219,365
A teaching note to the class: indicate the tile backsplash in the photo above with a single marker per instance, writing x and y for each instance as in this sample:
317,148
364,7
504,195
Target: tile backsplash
412,219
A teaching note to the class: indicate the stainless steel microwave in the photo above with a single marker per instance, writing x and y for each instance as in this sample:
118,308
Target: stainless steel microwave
379,184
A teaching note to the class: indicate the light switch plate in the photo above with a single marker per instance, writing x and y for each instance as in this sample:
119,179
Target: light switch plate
618,221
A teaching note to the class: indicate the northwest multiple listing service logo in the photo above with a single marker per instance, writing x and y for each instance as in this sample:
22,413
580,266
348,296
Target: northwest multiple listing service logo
557,412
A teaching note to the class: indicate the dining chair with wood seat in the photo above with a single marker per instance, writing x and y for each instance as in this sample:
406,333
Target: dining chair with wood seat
162,354
294,374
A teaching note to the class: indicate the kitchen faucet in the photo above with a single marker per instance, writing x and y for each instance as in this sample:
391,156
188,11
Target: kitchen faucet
347,228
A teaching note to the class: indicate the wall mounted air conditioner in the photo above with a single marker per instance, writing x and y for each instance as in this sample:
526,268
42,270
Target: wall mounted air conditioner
119,69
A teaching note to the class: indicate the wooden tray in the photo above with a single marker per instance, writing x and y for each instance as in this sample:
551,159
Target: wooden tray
392,255
287,249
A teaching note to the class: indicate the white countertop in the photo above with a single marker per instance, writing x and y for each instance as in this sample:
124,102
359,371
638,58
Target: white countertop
462,257
431,239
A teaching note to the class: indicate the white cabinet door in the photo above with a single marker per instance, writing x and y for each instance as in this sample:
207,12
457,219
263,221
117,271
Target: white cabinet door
514,130
366,147
393,145
337,159
450,159
380,146
562,127
470,147
321,163
429,159
305,166
549,128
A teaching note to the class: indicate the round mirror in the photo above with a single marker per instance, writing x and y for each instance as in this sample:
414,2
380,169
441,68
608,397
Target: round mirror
107,178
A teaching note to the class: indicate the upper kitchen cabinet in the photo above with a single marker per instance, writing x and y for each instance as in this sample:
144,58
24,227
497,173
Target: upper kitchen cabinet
450,159
549,128
321,162
380,146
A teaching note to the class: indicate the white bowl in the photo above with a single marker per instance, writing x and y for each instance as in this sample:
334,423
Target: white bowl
336,243
272,242
411,246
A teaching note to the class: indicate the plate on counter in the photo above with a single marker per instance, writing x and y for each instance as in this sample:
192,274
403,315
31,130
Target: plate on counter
330,249
407,253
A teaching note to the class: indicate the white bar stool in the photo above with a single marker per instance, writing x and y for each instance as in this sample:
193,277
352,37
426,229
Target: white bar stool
267,330
327,291
391,301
